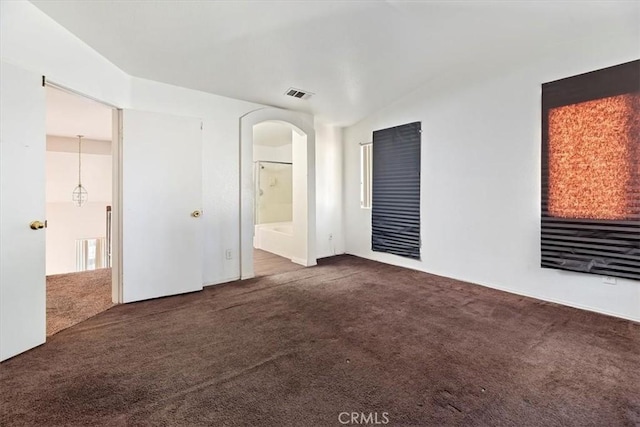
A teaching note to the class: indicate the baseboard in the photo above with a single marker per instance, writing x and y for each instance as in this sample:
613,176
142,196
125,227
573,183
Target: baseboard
567,304
228,280
514,292
303,262
330,255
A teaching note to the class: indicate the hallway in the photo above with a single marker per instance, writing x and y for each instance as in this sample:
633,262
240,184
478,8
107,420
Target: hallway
75,297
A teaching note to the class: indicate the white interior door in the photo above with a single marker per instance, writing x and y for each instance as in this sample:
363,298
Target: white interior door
161,189
22,200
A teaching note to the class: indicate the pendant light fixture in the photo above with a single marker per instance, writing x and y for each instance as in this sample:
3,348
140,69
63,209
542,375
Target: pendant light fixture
79,195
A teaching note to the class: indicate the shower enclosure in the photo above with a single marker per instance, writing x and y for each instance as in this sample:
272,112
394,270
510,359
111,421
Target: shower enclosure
273,207
274,192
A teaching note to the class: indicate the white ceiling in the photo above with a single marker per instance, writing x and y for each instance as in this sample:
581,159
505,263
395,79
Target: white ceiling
71,115
357,56
272,134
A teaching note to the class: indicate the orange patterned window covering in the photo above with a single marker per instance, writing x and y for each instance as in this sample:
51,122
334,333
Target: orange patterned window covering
594,159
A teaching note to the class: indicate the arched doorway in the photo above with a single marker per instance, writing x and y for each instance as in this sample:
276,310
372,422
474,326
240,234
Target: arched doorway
303,133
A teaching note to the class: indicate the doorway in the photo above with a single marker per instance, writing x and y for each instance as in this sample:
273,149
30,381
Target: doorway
265,135
79,198
278,200
158,258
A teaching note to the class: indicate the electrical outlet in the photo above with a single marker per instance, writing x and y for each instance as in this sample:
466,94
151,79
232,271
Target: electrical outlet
608,280
330,236
228,254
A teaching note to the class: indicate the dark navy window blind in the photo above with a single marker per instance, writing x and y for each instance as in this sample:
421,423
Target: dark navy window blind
594,245
395,208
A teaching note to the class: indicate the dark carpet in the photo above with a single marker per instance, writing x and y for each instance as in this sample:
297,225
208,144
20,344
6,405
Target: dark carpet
350,335
74,297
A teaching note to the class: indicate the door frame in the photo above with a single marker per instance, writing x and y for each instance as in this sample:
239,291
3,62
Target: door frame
116,187
301,123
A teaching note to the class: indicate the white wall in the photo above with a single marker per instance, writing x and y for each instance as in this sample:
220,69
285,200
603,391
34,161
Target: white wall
330,238
300,197
70,145
32,40
272,154
66,222
62,176
481,175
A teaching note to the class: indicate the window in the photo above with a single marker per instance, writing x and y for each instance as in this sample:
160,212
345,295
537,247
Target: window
90,254
365,175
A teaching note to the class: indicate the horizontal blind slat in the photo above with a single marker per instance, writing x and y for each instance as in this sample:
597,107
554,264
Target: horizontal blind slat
395,213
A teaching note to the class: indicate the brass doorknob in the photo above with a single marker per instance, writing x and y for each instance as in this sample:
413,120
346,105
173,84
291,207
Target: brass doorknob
37,225
196,214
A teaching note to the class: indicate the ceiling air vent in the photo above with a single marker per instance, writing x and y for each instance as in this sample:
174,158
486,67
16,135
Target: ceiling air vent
297,93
